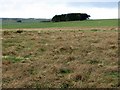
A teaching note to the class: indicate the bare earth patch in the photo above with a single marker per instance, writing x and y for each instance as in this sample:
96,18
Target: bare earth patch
63,58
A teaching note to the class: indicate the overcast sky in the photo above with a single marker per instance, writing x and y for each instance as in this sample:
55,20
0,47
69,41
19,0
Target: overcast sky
98,9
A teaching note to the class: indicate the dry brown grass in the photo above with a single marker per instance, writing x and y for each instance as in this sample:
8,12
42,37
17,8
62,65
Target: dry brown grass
60,59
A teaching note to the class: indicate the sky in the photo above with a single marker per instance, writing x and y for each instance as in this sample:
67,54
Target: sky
97,9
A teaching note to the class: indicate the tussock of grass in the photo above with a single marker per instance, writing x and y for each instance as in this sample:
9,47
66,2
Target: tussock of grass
64,70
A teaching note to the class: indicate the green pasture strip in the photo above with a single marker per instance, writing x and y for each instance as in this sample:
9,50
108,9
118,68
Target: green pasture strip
86,23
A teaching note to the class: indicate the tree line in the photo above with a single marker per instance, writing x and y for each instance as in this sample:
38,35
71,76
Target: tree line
70,17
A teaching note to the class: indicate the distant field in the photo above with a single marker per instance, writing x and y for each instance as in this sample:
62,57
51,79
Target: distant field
87,23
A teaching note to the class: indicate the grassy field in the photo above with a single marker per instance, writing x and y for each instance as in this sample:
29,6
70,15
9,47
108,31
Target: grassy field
87,23
66,57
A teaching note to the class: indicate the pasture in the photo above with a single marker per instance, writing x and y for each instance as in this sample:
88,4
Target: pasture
37,24
79,54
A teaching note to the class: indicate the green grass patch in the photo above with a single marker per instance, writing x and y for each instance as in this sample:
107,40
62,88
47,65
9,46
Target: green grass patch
113,74
13,59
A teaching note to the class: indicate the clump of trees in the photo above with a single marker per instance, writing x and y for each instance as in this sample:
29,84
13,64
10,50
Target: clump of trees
70,17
